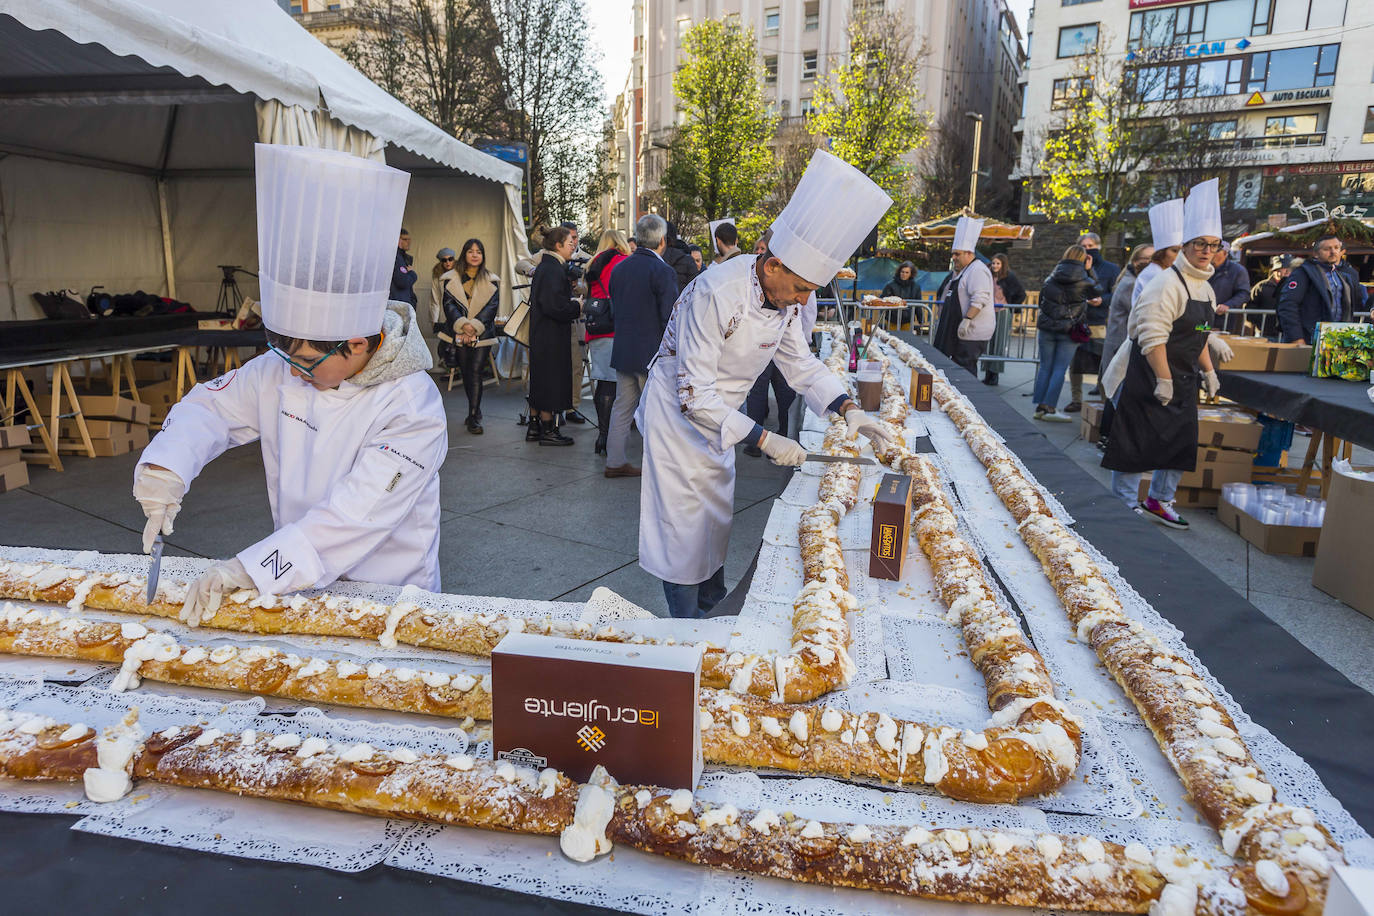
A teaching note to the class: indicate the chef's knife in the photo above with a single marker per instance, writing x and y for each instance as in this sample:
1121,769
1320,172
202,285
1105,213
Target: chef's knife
154,569
840,459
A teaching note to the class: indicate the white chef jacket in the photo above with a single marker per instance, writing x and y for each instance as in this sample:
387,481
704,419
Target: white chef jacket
718,340
352,473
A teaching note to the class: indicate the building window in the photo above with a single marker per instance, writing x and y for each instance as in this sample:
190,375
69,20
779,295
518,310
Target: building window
1077,2
806,106
770,70
1075,40
683,27
1324,14
809,65
868,6
1219,20
1368,135
772,19
812,13
1290,125
732,19
1293,68
1067,91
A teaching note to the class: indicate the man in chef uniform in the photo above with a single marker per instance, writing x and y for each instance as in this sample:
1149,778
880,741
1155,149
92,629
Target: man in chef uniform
727,325
353,429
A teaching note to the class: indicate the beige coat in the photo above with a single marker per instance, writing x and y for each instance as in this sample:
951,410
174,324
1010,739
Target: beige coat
483,288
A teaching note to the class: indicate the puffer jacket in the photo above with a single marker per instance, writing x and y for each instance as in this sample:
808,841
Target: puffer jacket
1064,297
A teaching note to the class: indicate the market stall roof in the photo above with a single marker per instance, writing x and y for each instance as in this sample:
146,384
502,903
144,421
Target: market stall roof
943,228
177,51
1356,234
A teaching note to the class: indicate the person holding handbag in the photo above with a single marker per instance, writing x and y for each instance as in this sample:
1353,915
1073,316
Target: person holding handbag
469,297
600,321
1060,329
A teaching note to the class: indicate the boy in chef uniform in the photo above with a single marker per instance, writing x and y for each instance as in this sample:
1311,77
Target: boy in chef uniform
726,327
352,428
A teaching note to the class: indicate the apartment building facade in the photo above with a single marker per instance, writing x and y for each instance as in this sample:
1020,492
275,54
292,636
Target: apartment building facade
1285,86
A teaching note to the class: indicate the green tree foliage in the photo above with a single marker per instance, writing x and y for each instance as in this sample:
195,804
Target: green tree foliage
870,107
1120,144
719,159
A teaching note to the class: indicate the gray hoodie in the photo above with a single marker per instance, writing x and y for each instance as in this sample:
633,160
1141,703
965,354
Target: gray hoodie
403,349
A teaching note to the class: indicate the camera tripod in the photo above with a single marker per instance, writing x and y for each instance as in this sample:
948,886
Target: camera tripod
230,297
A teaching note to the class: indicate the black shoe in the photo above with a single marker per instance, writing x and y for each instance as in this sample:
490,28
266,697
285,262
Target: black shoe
534,430
473,425
551,436
572,416
753,451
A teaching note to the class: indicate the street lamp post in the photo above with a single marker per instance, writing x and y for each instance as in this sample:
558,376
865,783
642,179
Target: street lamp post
973,174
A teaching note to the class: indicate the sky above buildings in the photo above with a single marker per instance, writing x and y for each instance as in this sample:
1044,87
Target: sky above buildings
612,29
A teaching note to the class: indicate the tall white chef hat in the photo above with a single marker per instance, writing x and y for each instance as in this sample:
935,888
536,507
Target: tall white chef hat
832,211
1202,211
1166,224
327,229
966,234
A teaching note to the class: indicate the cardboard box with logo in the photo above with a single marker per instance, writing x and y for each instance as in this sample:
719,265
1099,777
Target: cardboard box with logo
1256,354
891,527
922,389
1344,569
575,704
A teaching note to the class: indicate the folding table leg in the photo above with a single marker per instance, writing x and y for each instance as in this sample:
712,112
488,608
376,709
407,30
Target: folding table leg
15,381
1305,475
1328,453
62,381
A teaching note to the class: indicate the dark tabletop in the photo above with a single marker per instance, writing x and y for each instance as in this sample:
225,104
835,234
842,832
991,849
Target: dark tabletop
1284,687
1331,405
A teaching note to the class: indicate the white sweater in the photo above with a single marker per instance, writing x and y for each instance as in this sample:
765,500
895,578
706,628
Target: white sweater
1159,304
975,291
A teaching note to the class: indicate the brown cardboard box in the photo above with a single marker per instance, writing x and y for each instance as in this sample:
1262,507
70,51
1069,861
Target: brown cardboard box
1092,412
1088,431
1255,354
574,703
1343,569
109,407
160,397
106,448
891,527
1289,540
14,436
97,429
922,390
13,477
1217,466
1187,497
151,370
9,456
1234,429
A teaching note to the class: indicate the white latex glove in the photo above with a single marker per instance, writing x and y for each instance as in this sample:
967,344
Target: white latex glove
782,450
1164,390
1221,350
861,424
965,328
159,493
1210,384
205,594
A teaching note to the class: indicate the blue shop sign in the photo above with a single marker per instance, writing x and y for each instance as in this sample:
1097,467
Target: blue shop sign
1183,52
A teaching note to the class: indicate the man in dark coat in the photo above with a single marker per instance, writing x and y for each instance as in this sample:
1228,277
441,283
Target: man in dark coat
403,274
678,256
1322,289
1231,283
643,290
1103,270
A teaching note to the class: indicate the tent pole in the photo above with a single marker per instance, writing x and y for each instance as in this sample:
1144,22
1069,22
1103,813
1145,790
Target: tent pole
167,261
5,253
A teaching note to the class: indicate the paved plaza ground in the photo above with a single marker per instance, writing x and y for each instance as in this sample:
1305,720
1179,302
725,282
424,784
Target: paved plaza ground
534,522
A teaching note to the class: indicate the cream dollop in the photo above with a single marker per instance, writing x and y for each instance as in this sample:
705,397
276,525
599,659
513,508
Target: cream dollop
813,830
831,720
765,822
680,801
358,753
284,741
739,724
312,746
1049,847
460,762
916,836
1271,877
585,838
860,834
797,725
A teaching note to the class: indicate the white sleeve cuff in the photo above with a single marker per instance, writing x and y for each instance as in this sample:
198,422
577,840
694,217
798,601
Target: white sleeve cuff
282,562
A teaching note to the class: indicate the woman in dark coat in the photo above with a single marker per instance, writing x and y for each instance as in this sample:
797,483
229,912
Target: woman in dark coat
1063,303
1012,290
903,284
552,312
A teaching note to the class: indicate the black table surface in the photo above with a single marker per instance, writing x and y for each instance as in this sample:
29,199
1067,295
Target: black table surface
156,338
1307,704
1331,405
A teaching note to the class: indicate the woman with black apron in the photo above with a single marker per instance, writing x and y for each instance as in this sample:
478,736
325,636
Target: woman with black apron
1155,427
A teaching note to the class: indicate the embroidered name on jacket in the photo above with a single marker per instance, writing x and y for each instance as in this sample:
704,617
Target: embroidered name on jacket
400,454
290,416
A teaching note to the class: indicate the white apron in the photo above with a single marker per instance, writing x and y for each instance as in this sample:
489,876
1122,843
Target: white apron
719,339
352,473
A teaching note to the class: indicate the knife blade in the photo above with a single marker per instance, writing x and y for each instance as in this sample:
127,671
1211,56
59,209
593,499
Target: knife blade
154,569
838,459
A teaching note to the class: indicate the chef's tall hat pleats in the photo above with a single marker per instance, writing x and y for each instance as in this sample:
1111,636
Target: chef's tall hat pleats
327,229
832,211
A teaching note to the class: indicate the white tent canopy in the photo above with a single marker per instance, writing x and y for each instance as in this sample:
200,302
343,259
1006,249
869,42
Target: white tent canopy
126,147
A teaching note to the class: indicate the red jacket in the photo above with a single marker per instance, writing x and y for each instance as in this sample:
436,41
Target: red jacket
599,286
